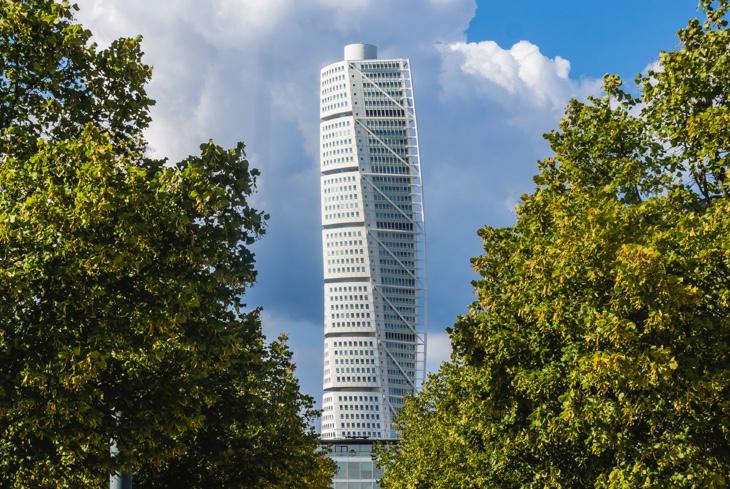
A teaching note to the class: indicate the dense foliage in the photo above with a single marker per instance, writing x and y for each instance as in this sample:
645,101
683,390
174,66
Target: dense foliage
121,279
597,351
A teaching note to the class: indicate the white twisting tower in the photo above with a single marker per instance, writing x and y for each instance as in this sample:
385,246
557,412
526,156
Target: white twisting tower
373,243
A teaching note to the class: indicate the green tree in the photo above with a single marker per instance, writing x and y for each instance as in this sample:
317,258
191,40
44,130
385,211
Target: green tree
597,351
256,436
121,283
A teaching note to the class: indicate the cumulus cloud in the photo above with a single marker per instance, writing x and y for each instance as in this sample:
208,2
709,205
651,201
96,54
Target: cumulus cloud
439,351
241,68
520,75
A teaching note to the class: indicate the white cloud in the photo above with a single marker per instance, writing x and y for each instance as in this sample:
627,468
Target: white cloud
439,351
655,66
520,75
233,23
221,66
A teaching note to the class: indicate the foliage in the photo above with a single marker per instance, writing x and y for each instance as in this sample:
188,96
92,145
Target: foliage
121,279
257,437
597,351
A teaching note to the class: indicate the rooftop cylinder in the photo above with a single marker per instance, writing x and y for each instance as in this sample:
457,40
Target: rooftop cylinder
356,52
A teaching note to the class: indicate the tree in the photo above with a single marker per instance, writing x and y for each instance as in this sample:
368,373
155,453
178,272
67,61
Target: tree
597,351
121,284
257,437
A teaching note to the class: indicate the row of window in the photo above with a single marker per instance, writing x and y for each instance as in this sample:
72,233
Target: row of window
399,282
354,361
407,313
339,160
342,261
361,407
332,88
349,305
334,96
359,425
337,152
400,113
335,69
407,263
350,242
400,336
396,94
399,325
406,208
379,65
328,127
393,161
390,124
353,485
395,350
354,370
341,270
351,324
383,84
392,242
349,215
393,151
340,198
336,298
382,74
334,184
389,179
404,300
336,142
357,378
354,343
391,189
395,391
359,416
343,234
350,315
394,216
348,288
383,102
398,226
335,105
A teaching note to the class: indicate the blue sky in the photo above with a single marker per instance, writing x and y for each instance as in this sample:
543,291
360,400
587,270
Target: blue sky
490,79
597,37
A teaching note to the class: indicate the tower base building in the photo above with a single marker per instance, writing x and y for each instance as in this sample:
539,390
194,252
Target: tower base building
373,248
356,468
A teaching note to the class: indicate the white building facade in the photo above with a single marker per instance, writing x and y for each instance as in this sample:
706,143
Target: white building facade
373,241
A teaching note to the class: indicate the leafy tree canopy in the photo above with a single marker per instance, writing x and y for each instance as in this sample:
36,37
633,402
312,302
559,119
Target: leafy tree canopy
597,351
121,279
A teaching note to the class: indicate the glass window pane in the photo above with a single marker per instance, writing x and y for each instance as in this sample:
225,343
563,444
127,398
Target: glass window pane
354,470
366,470
341,470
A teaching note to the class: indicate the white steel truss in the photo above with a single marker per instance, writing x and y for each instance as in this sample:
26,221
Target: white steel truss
412,163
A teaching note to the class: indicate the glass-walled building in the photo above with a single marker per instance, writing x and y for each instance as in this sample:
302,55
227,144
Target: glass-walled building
355,466
373,244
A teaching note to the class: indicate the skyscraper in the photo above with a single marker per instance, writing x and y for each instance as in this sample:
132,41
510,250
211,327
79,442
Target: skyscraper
373,244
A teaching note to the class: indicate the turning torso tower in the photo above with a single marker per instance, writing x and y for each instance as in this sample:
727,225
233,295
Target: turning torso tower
373,244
